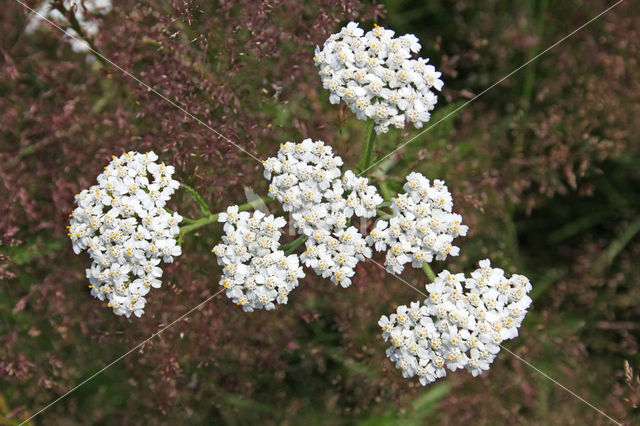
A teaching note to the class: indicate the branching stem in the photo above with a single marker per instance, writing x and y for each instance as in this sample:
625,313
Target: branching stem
207,220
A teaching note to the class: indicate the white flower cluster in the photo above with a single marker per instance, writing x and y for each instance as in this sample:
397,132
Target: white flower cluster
82,9
336,255
123,225
457,328
423,227
374,75
363,199
306,179
255,272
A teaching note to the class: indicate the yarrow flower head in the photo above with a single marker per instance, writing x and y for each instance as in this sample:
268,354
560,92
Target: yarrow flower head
255,272
422,228
460,325
123,225
374,75
307,180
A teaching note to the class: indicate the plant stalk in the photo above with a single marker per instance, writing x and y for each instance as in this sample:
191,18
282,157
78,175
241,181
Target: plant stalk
207,220
427,270
369,145
290,248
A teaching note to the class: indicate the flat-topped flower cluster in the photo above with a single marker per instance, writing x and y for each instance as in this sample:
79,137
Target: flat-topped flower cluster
255,272
123,225
422,228
307,180
374,75
460,325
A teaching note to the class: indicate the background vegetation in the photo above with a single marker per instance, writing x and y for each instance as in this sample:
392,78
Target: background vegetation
543,168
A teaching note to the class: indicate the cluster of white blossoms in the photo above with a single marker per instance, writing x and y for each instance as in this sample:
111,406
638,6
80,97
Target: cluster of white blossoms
82,10
457,326
422,228
123,224
255,272
374,75
307,180
336,255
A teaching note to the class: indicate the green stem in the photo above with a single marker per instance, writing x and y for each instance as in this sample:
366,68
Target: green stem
290,248
387,193
529,80
207,220
616,246
427,270
369,145
383,214
285,246
199,224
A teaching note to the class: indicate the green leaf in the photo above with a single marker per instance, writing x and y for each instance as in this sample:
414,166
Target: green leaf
204,208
